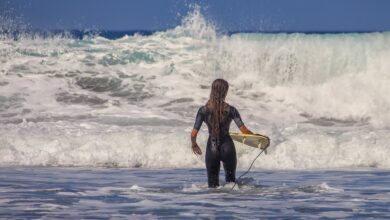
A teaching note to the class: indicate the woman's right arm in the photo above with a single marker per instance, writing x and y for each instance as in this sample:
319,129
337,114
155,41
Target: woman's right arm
237,119
245,130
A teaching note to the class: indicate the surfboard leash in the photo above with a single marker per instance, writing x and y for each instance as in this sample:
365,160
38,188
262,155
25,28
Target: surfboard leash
250,167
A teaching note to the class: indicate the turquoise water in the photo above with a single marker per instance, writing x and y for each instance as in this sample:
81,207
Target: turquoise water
51,193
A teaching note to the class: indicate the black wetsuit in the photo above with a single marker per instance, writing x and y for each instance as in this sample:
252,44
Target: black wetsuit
220,148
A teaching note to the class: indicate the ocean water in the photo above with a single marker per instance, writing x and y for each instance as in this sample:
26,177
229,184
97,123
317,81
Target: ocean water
93,193
112,117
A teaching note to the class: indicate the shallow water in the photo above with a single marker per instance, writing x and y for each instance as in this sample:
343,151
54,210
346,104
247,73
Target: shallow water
44,192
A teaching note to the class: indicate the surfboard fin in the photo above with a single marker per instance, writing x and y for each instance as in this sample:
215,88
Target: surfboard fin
264,149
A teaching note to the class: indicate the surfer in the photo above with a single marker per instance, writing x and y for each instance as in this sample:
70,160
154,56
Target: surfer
217,114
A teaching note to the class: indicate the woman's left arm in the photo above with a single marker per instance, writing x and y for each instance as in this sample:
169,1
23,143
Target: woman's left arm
195,148
198,123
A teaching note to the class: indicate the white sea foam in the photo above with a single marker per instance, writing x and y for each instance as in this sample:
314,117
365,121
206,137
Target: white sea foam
131,102
158,147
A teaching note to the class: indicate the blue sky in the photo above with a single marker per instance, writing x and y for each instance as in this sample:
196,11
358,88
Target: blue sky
228,15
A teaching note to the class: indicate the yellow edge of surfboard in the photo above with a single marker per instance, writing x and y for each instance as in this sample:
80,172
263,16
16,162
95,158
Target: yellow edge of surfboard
249,135
255,136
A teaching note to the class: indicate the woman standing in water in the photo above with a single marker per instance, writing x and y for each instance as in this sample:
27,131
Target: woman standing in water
217,114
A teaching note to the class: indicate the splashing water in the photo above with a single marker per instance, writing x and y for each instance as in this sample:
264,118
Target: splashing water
131,102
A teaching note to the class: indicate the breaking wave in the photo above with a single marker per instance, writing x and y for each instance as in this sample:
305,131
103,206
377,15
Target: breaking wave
130,102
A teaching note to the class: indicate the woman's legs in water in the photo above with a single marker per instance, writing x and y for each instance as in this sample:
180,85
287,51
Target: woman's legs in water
229,159
213,165
225,152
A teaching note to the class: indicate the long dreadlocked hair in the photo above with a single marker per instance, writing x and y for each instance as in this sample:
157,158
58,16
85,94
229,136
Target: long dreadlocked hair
216,104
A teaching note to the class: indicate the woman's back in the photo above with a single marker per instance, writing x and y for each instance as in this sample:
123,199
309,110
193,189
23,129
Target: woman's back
229,113
218,115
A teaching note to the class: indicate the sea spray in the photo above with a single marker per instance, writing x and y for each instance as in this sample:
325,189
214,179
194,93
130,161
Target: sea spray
131,102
